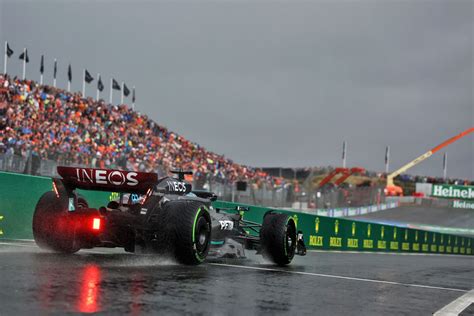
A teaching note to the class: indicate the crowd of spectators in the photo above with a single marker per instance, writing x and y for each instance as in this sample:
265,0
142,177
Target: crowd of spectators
50,124
53,124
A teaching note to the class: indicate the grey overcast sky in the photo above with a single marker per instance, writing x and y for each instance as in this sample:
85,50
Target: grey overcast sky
274,83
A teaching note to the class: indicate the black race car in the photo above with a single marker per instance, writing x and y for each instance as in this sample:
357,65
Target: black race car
150,215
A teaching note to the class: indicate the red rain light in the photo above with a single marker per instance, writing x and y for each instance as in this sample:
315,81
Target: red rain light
96,223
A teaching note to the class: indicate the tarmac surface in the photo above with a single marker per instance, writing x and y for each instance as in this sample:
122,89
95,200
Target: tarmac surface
109,281
446,217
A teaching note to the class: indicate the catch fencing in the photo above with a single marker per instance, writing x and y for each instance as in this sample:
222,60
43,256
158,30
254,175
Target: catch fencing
20,194
286,195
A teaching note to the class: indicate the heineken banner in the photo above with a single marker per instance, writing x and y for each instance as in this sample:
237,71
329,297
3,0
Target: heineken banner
463,192
463,204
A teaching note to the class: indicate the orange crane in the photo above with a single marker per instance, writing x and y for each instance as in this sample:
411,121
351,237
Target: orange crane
393,189
346,173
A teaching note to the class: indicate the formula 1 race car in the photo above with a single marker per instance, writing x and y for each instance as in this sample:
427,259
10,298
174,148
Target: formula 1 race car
150,215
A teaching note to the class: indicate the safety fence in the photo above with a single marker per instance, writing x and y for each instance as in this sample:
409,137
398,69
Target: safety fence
285,194
349,211
20,194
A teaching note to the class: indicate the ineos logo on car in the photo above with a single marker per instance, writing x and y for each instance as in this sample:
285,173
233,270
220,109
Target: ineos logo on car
175,186
114,177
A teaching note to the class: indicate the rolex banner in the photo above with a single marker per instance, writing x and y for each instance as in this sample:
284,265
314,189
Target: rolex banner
462,192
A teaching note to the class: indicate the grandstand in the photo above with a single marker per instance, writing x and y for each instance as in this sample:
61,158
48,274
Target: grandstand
42,126
52,124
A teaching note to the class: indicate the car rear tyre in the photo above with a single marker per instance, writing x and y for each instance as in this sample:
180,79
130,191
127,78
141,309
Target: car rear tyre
189,231
52,228
82,202
278,238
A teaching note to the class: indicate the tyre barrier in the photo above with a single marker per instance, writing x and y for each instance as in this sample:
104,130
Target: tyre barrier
20,193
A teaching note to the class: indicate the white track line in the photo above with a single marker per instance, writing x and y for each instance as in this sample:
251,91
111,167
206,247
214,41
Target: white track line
393,253
35,246
339,277
457,306
17,244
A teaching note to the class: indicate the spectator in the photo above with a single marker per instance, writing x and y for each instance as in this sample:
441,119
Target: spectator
61,126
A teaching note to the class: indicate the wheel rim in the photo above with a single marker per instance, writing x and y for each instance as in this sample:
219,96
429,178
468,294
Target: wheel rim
202,235
290,239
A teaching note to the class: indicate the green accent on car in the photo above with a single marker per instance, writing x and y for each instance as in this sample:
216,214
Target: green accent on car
194,225
217,242
201,259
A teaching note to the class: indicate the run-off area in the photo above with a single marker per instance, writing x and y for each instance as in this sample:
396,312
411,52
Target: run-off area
327,283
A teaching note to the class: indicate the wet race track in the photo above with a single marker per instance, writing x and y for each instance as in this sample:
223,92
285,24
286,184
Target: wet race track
113,282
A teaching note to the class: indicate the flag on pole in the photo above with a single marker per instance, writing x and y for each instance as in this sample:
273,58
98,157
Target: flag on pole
126,92
111,90
133,98
9,51
24,56
55,70
387,158
42,65
100,85
69,73
115,85
41,69
69,78
445,164
121,94
344,154
87,77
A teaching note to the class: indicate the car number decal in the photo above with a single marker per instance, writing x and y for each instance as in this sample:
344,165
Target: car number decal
226,225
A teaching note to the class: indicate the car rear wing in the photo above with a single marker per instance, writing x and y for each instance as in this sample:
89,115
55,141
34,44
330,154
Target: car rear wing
107,180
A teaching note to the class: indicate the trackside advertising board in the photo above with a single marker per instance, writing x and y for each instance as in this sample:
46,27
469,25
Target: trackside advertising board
463,204
447,191
326,233
20,194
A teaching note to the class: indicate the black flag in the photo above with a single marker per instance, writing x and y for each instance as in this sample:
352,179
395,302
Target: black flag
133,95
22,56
55,69
69,73
115,85
87,77
126,92
100,85
9,51
42,65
